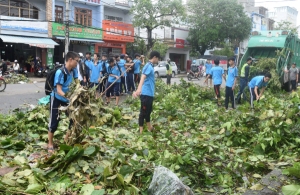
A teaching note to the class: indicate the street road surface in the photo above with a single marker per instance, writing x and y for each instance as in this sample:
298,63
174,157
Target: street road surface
18,95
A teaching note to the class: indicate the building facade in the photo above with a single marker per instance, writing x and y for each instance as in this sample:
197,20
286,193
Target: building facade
117,27
24,31
284,13
85,26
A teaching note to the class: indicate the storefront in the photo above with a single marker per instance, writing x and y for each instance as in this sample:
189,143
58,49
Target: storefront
25,40
115,37
82,39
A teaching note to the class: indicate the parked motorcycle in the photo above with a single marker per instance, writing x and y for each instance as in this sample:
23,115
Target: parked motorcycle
23,71
38,72
46,71
2,82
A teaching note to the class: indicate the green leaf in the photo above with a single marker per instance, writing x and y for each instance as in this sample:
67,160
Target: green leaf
89,151
87,189
98,192
257,187
34,188
291,190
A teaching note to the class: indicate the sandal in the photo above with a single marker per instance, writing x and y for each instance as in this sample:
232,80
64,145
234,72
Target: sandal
50,150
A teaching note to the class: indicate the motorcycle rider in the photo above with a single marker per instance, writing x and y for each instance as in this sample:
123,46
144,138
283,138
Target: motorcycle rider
16,66
3,66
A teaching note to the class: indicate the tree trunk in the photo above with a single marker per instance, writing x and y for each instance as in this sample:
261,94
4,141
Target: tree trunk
149,37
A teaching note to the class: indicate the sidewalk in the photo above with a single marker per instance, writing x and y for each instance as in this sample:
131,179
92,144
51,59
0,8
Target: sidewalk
37,79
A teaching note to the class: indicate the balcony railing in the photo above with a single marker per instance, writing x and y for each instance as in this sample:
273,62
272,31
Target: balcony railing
122,2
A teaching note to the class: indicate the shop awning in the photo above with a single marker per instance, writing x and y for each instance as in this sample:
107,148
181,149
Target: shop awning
87,40
32,41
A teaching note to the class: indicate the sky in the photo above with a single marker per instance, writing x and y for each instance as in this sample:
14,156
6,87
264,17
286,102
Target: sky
278,3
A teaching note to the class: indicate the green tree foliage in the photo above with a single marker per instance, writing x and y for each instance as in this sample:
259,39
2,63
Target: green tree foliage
138,46
286,25
213,21
160,47
153,14
226,51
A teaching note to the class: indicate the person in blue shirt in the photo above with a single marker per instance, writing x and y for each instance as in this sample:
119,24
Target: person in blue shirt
258,82
88,61
130,74
231,83
208,67
61,87
123,84
146,90
138,62
216,73
95,69
104,67
113,84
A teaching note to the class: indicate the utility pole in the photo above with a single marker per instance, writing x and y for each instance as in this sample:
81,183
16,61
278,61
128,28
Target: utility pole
67,30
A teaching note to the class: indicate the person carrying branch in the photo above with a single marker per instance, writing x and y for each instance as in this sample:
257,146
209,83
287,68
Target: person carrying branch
62,80
258,82
146,91
113,84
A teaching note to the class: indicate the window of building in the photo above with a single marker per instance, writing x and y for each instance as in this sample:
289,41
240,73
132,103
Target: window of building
83,16
113,18
59,16
18,8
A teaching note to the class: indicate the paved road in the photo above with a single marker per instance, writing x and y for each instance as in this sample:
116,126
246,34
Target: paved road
18,95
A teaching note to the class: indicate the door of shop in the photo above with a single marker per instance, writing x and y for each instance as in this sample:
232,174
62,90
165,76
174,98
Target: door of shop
110,52
179,59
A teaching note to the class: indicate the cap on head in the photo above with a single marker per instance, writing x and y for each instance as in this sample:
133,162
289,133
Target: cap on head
80,55
294,63
168,59
16,60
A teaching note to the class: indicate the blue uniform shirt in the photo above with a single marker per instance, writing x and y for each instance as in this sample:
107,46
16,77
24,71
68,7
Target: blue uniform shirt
208,67
114,71
122,66
257,81
59,79
217,73
148,87
95,71
232,73
137,66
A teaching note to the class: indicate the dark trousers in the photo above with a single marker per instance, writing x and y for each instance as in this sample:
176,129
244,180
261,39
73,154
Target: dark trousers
252,96
243,85
217,90
130,82
137,78
146,109
169,76
229,93
113,90
102,85
123,84
294,84
54,114
83,83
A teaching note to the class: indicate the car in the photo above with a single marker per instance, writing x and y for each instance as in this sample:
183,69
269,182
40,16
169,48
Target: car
160,69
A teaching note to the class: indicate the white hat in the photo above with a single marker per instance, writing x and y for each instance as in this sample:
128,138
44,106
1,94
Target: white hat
81,55
16,60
